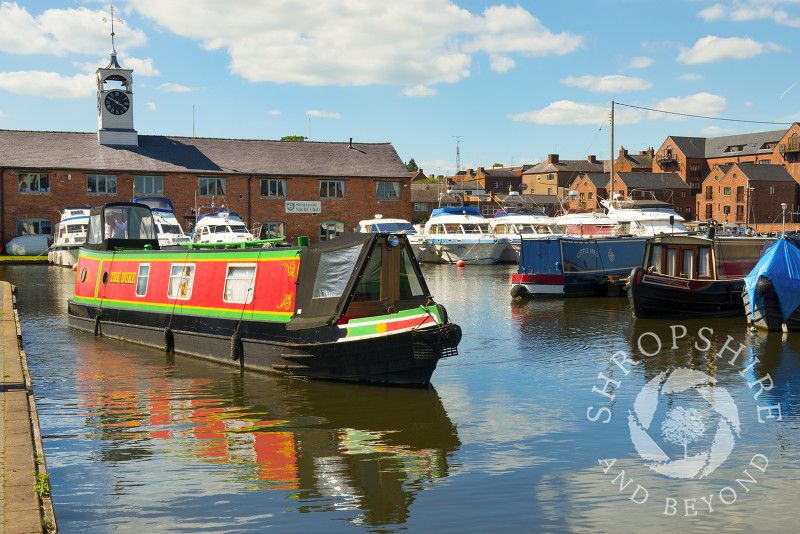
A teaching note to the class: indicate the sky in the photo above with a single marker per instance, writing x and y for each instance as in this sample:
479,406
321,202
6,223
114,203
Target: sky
503,83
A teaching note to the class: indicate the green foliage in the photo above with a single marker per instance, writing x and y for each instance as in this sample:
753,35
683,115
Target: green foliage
293,138
412,165
498,165
48,525
42,487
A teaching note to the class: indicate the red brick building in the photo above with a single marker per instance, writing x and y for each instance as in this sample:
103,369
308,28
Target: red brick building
554,176
588,189
296,188
749,194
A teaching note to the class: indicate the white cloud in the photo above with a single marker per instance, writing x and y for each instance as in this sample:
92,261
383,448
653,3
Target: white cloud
565,112
704,104
641,62
749,10
59,32
417,91
501,63
690,77
327,42
48,84
152,106
611,83
170,87
3,114
716,131
323,114
274,113
711,48
715,12
142,67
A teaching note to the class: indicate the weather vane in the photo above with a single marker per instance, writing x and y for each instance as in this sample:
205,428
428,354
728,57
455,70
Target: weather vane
112,19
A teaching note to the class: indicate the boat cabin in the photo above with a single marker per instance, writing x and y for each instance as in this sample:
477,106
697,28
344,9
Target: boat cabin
121,225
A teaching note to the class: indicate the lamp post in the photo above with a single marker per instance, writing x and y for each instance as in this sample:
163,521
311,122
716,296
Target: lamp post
783,208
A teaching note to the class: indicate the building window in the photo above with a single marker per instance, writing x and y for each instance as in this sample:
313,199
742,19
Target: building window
148,185
141,279
385,190
273,188
239,283
765,162
727,191
709,192
709,210
683,194
550,176
272,230
101,183
695,167
420,206
331,189
33,182
591,195
550,191
772,190
487,211
181,279
496,185
726,210
330,229
211,187
34,225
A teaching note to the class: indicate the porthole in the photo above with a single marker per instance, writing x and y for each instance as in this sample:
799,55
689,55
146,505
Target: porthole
83,275
105,277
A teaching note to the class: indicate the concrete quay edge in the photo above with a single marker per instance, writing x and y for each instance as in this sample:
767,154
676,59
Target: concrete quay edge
22,456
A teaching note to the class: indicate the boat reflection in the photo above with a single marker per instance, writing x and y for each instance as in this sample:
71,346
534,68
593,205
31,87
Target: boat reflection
330,446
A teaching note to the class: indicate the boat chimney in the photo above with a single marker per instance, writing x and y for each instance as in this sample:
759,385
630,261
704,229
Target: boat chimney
712,229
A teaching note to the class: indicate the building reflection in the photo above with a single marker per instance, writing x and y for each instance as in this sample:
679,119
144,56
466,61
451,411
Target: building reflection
331,446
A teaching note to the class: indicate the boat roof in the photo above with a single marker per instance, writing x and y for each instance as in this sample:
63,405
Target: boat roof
156,203
472,211
220,213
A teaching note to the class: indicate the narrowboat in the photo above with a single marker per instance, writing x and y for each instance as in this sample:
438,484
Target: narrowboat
772,289
355,308
693,276
568,266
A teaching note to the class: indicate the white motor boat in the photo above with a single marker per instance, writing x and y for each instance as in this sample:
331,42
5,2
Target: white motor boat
461,233
645,218
70,236
394,226
586,224
514,226
168,228
220,226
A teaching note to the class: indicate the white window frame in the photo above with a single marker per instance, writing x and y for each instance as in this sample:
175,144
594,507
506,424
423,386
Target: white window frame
172,290
145,277
251,278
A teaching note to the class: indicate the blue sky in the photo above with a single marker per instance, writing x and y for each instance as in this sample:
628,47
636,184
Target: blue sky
516,81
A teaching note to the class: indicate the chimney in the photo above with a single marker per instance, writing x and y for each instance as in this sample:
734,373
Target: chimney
480,170
622,152
651,151
592,159
552,158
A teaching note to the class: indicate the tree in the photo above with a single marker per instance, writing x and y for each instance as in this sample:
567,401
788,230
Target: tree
498,165
682,427
293,138
412,165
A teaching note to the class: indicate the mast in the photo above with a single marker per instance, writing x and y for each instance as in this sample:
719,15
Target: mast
611,166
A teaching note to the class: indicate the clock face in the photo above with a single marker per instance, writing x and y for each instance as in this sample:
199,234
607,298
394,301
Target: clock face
117,102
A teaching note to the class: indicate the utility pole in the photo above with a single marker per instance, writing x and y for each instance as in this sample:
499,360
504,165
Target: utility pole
611,157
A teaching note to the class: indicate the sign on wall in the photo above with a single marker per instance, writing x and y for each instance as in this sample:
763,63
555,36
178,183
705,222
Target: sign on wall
303,206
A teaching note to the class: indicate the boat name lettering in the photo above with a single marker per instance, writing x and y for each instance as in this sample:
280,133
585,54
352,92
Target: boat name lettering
587,250
119,277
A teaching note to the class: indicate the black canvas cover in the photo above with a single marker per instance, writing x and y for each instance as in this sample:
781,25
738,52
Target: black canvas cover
121,225
328,274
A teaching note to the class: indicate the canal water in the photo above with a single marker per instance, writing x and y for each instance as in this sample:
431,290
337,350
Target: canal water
533,427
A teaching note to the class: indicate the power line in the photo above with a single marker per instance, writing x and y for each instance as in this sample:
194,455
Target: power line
699,116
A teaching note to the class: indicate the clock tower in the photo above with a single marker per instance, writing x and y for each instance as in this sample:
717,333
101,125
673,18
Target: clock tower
115,101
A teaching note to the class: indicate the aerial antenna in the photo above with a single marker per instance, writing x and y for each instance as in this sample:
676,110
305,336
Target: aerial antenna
458,139
112,20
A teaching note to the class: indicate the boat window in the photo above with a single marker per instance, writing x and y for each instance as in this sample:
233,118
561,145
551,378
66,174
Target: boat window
95,230
452,228
181,279
239,283
141,279
688,263
369,287
655,259
334,271
238,229
671,257
127,222
704,261
409,282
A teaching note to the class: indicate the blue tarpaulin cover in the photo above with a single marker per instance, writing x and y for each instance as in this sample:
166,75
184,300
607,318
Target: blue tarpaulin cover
781,265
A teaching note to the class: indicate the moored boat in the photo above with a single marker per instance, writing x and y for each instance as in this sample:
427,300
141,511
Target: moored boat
168,228
513,226
693,276
644,217
383,225
70,235
772,289
460,234
569,266
355,308
220,226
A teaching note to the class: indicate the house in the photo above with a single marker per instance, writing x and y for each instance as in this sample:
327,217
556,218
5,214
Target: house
554,176
586,191
296,188
641,162
749,194
667,187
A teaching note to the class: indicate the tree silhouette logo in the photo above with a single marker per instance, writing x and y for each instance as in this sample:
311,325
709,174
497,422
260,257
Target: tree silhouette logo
684,400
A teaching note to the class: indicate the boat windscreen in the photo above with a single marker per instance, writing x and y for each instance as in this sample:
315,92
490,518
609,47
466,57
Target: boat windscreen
333,273
394,228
